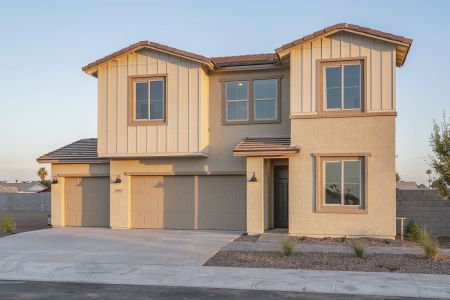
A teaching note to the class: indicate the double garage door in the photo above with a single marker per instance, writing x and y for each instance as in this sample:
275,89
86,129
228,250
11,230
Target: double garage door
188,202
87,201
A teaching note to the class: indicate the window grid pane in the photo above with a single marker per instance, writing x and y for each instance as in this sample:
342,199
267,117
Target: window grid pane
265,99
236,97
352,86
333,81
156,99
141,100
333,181
352,182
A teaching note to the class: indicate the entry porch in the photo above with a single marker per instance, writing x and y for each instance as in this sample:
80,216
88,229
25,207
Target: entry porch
267,169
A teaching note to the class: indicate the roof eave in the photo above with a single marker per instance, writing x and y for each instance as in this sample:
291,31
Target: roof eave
92,67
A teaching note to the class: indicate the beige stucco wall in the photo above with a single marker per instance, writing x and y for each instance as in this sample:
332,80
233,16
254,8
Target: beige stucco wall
222,140
57,196
374,135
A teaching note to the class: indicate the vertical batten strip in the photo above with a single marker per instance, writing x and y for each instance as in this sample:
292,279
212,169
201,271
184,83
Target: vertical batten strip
132,134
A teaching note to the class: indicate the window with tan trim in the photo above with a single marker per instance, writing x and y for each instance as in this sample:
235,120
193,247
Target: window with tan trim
252,101
147,100
341,86
341,183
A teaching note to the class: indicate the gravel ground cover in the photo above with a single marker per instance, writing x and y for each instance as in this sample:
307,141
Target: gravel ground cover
364,241
26,221
332,261
444,242
247,238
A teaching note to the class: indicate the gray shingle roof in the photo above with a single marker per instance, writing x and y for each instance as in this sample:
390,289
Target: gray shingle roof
26,187
84,150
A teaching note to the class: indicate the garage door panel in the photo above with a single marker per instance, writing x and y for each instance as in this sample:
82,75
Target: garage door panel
189,202
222,202
87,201
179,202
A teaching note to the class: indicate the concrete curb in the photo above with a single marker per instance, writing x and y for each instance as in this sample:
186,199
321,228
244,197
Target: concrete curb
333,282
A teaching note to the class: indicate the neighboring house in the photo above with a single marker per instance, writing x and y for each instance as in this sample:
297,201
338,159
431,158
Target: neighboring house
302,138
422,187
21,187
407,185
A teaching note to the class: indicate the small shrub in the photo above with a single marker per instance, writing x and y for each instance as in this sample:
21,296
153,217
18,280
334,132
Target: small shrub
414,231
358,249
429,244
287,246
303,238
8,225
344,238
387,241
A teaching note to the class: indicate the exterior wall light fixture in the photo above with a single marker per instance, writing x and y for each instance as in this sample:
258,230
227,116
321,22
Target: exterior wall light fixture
253,179
117,180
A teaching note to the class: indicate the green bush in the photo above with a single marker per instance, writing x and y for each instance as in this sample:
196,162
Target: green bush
8,225
358,249
414,231
387,241
303,238
287,246
344,238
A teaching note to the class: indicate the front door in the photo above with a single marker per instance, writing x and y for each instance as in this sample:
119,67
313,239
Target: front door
281,196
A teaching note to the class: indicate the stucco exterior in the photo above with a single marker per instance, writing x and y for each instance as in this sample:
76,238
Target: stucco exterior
187,171
61,171
372,135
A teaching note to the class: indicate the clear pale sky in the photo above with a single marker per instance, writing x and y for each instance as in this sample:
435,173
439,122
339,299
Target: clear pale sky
46,101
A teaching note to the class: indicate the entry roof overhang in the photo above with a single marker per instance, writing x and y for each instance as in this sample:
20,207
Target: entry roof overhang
265,146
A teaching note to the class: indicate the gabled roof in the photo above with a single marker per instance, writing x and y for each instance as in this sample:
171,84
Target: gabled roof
152,45
265,146
82,151
403,43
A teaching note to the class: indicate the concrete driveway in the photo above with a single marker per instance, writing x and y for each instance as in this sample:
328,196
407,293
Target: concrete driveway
106,246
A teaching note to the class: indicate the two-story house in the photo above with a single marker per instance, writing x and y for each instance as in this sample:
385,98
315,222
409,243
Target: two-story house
302,138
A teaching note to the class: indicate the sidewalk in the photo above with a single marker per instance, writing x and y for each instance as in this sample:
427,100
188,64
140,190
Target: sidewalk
359,283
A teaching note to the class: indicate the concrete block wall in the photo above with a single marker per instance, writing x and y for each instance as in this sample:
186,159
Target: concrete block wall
15,202
427,208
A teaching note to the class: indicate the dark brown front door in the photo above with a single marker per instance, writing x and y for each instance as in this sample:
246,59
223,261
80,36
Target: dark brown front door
281,196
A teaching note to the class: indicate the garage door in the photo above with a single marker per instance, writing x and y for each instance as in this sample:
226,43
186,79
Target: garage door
188,202
87,201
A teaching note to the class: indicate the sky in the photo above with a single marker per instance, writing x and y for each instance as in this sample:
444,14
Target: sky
46,101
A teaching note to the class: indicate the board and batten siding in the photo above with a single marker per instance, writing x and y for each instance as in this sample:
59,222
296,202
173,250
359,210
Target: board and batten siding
186,130
381,66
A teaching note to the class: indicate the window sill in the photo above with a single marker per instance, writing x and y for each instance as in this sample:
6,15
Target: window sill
341,210
344,114
147,123
226,123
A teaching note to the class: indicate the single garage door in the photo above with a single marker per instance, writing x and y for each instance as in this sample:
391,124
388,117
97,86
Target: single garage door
188,202
87,201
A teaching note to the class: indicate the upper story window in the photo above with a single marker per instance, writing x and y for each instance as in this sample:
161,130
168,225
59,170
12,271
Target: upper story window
147,100
342,85
252,101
